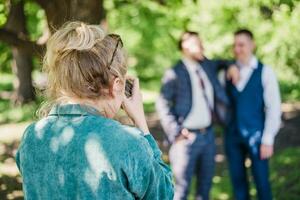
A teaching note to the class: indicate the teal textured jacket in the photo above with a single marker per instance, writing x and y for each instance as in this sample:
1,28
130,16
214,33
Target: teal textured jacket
75,153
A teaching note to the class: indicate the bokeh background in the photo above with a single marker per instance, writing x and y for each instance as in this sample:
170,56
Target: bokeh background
150,29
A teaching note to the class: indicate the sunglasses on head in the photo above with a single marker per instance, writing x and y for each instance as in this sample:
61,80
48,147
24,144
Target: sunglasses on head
128,83
119,41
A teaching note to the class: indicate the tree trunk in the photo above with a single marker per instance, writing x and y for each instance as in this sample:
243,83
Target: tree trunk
22,64
60,11
57,12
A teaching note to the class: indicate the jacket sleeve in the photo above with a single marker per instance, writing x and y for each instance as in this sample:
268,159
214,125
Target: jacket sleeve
223,64
165,103
149,177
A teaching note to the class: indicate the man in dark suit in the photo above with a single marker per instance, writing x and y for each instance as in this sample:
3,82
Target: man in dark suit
255,120
187,105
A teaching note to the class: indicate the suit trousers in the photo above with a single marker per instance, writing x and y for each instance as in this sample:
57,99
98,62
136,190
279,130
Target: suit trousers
190,157
237,151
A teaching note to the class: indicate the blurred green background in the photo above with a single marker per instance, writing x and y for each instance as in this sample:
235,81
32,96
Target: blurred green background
150,29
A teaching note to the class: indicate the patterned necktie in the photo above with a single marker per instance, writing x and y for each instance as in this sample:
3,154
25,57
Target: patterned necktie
202,85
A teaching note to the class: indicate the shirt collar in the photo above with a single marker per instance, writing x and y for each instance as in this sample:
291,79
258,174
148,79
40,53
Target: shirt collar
189,63
73,109
253,63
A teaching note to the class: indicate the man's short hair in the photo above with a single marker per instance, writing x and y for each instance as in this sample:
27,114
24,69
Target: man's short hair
185,35
246,32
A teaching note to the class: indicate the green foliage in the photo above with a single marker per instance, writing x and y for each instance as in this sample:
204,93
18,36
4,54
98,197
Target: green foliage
10,113
5,58
150,30
13,114
35,24
6,82
290,90
5,55
3,12
146,34
36,20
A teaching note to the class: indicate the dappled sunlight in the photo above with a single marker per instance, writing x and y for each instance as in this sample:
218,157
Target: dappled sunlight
40,128
9,167
12,132
217,179
283,168
15,194
10,180
149,30
248,163
62,140
221,189
253,192
219,158
67,135
99,164
61,176
54,144
286,160
223,196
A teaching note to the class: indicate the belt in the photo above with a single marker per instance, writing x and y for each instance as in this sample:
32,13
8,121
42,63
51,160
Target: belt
201,130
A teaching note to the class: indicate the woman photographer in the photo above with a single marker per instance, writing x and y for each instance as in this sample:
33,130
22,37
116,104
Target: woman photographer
76,150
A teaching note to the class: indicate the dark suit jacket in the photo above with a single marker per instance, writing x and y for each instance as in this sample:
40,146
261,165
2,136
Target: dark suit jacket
175,100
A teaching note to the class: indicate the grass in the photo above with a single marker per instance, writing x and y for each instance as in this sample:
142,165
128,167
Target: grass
285,174
284,178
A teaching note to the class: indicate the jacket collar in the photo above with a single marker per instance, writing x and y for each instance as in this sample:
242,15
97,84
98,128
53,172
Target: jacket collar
73,109
202,62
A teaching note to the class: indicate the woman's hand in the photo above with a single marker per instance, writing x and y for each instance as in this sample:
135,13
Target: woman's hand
133,106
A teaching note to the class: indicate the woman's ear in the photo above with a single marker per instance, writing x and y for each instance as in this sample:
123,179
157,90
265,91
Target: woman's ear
117,87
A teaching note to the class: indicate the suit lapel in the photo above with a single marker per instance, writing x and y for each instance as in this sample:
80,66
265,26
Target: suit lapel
185,71
205,66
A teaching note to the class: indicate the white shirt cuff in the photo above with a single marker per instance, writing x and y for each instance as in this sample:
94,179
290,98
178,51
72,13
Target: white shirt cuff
268,139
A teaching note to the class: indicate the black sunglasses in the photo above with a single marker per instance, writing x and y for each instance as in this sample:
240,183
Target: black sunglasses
119,41
129,83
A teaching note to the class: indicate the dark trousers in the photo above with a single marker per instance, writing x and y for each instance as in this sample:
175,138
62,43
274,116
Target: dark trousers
237,152
193,156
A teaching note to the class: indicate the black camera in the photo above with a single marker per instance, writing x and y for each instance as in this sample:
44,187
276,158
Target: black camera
128,88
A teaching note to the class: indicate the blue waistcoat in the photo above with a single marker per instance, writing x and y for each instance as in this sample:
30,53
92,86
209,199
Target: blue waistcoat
248,115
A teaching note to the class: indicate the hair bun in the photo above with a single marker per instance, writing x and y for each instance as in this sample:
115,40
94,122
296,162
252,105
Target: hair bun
85,36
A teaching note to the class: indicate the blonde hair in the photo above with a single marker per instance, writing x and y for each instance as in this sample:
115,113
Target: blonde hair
81,60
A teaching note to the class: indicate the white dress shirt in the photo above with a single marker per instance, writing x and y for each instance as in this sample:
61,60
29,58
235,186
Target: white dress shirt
199,115
271,96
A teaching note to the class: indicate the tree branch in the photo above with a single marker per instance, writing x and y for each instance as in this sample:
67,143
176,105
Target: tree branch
18,41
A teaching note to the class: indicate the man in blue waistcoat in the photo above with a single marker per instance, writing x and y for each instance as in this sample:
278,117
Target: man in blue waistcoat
191,96
256,118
